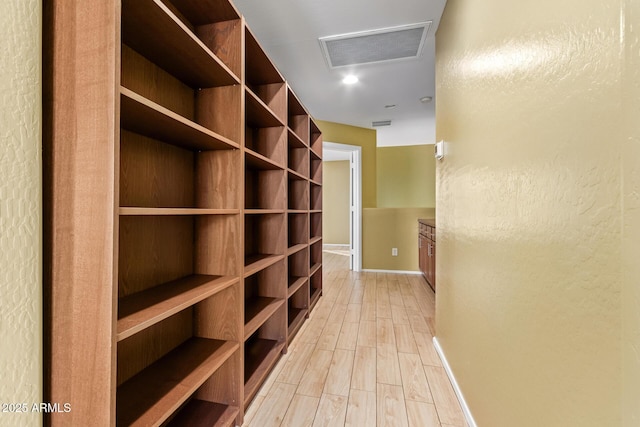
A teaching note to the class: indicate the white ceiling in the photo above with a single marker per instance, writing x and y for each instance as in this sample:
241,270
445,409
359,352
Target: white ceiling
289,30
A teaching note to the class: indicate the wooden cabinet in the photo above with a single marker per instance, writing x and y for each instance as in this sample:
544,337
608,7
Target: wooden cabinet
183,212
427,250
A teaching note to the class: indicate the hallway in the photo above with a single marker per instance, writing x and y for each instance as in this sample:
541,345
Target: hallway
365,358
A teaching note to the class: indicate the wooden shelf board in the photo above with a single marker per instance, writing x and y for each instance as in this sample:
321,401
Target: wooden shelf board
314,268
150,397
258,161
295,283
257,311
200,413
294,140
203,12
256,262
258,361
140,115
314,240
296,318
258,114
296,175
314,156
263,211
150,27
317,183
142,211
143,309
315,211
313,151
296,248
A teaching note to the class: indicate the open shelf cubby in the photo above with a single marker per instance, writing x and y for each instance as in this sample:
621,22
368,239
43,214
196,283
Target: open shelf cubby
264,293
193,101
298,193
315,167
298,229
315,256
264,188
154,174
263,79
262,350
297,310
265,240
315,287
206,34
298,160
316,226
298,270
298,118
185,349
315,140
315,192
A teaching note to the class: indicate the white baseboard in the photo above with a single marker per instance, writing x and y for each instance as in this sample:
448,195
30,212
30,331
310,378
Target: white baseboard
463,403
368,270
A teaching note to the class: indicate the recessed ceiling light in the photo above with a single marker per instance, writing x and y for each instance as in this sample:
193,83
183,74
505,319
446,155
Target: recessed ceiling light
426,99
350,79
390,106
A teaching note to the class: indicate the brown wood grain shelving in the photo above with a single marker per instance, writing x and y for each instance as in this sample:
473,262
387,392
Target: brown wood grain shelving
154,394
142,211
256,262
143,309
260,356
151,27
295,283
201,413
257,311
140,115
201,172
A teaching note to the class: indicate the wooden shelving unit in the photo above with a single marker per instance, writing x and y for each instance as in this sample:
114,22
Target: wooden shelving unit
183,213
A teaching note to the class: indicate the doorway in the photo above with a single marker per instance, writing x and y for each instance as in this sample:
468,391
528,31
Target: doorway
352,153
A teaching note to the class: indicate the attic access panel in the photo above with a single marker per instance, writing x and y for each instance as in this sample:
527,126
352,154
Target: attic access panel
386,44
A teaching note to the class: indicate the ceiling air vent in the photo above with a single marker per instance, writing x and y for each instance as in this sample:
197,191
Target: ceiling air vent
386,44
381,123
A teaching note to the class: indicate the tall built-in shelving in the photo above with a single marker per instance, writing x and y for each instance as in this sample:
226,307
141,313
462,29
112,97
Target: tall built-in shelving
183,232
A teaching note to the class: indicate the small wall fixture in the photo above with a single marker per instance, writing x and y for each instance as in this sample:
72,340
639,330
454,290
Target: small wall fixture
438,150
426,99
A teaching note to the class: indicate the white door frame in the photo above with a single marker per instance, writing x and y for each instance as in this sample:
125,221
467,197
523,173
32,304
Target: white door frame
355,201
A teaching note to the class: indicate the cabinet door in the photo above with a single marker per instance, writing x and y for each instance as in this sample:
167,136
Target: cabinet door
431,264
422,254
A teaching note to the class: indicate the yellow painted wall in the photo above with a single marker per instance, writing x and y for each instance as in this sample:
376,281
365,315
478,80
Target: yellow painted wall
365,138
406,176
529,210
631,220
335,202
20,209
392,228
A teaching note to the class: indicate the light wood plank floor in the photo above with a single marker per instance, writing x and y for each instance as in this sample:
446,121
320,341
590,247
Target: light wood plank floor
364,358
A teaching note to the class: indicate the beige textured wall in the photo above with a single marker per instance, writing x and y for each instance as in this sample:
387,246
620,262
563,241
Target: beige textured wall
406,176
20,209
631,227
529,210
335,202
